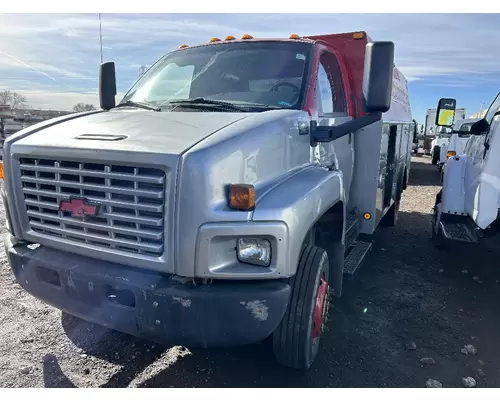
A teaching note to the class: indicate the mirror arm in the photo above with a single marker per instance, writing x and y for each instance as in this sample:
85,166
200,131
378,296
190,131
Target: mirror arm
326,134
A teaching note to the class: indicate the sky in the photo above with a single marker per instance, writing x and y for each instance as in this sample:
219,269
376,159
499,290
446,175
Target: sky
53,59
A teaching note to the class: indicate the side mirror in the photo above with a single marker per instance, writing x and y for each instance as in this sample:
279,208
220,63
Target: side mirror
377,90
377,76
445,114
479,127
107,85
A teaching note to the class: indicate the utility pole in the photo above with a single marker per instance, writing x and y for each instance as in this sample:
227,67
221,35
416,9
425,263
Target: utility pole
480,110
100,35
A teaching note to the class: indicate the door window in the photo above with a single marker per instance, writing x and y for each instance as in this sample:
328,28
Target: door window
331,92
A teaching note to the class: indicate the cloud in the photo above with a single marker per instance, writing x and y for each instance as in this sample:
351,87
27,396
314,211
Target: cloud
53,58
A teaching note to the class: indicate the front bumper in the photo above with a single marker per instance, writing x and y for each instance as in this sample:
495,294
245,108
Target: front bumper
151,305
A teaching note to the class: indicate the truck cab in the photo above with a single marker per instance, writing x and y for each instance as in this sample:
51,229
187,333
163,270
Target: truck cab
467,207
459,138
441,140
223,199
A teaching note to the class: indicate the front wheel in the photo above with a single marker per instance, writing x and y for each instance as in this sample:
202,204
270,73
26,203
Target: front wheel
296,340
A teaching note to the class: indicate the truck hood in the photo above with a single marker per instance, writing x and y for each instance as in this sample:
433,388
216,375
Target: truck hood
132,130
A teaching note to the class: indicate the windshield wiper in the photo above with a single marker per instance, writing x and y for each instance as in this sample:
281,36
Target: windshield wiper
201,101
130,103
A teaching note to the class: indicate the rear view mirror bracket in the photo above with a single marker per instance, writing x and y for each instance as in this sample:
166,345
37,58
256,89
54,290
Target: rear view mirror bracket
326,134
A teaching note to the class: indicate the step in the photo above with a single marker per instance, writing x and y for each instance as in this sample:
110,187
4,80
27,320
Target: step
352,228
459,232
351,220
356,256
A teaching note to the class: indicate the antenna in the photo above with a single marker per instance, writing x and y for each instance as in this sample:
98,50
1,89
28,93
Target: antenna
100,35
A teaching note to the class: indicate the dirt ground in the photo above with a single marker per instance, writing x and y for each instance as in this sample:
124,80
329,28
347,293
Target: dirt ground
409,302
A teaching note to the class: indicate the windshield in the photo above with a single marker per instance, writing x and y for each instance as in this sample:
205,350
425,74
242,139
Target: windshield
269,74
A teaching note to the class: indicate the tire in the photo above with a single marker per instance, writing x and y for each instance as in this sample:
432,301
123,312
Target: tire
297,338
437,236
405,180
435,155
391,218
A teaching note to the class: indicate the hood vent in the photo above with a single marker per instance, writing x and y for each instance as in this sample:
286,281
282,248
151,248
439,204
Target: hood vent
104,137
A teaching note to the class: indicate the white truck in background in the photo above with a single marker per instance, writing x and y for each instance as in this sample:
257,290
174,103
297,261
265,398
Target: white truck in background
438,136
439,143
429,131
467,207
459,137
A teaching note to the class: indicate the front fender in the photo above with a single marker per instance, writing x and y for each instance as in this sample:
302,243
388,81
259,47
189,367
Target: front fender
299,202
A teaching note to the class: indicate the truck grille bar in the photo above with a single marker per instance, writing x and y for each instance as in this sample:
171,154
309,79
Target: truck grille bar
131,217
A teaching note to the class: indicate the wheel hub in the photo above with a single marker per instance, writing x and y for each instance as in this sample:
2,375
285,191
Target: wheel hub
320,307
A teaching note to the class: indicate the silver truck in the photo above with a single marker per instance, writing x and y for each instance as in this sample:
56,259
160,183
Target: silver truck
223,200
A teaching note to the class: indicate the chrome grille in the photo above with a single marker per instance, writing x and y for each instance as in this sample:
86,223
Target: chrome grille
131,216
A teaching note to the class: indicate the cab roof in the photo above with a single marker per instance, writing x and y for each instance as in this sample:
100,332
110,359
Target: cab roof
292,38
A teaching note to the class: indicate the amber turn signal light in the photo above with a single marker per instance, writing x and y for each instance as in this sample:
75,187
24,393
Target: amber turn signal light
1,169
451,154
242,197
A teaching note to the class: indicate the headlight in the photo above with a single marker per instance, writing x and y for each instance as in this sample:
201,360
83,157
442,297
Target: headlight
254,251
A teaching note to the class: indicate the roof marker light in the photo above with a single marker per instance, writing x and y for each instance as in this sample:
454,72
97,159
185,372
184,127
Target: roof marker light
230,37
246,36
358,35
183,46
294,36
214,39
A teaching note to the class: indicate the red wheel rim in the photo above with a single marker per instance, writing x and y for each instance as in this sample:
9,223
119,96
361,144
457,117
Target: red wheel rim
320,306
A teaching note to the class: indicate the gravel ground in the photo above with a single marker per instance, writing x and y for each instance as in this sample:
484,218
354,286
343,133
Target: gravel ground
404,319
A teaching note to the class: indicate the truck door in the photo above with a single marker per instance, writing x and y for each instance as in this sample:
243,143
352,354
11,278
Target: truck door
483,172
332,110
